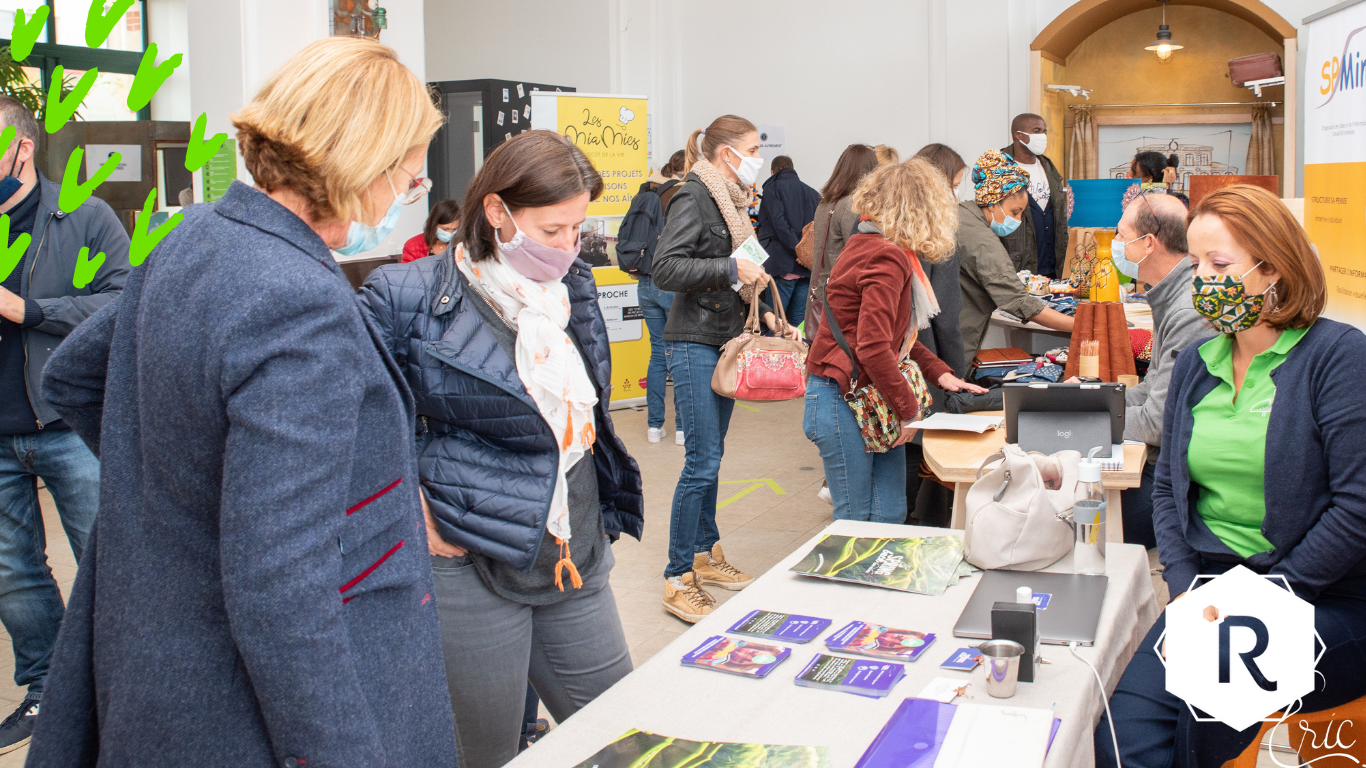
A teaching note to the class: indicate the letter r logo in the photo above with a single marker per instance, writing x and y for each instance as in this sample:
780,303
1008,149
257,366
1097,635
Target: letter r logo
1262,640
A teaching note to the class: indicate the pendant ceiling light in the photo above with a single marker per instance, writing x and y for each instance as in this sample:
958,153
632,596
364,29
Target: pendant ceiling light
1164,44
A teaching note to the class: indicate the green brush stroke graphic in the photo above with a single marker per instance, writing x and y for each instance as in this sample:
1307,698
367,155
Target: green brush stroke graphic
11,255
143,241
86,267
58,110
99,24
74,194
150,77
26,33
199,151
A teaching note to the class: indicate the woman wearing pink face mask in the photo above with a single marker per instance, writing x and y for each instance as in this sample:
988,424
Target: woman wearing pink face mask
525,484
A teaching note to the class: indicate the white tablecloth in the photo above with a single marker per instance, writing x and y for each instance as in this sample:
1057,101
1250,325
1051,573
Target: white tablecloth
666,698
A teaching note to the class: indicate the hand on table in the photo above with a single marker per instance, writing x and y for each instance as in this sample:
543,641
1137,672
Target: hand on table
950,383
436,545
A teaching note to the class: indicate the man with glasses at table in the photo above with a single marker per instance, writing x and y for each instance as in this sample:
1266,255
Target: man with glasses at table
1150,247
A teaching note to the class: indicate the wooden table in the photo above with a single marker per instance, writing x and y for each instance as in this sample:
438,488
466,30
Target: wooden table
956,456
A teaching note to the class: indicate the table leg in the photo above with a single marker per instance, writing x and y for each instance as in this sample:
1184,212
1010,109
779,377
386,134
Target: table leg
1114,516
960,506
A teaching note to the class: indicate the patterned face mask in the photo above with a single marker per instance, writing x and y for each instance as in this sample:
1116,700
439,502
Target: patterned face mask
1225,301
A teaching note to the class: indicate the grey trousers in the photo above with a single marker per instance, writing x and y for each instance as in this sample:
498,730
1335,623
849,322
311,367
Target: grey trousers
571,651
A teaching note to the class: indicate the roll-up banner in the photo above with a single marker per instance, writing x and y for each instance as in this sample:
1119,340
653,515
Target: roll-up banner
1335,157
609,129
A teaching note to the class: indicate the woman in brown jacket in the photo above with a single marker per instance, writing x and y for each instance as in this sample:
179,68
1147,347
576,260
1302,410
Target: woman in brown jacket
880,298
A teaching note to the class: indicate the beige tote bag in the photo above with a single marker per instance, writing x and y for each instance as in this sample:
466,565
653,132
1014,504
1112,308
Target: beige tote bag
1013,511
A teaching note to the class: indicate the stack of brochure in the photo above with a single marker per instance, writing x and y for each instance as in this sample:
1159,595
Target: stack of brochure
737,657
925,565
879,642
780,626
874,679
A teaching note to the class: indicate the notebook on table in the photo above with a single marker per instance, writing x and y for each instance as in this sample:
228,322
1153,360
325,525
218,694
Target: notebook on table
1069,604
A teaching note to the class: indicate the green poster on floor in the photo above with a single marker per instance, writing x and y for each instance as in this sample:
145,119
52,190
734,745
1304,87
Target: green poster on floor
220,172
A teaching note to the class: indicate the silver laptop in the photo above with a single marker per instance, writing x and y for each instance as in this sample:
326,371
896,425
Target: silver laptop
1069,604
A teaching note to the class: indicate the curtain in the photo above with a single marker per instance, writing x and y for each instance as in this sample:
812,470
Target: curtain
1261,154
1082,161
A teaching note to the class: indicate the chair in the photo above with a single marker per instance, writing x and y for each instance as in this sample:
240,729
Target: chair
1330,727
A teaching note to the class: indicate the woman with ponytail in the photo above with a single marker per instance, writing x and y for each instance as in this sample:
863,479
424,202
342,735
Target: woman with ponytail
707,223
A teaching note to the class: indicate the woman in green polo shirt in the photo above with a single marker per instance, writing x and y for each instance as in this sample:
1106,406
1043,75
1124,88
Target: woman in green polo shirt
1263,465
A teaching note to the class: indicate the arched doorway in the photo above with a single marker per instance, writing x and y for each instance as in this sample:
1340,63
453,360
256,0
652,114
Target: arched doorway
1099,45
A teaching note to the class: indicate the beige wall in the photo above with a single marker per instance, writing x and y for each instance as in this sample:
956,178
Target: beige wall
1112,63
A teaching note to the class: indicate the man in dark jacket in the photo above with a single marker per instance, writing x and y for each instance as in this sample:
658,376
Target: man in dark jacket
39,305
788,206
1039,244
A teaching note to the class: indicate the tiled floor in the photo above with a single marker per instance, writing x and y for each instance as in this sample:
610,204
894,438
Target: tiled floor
771,471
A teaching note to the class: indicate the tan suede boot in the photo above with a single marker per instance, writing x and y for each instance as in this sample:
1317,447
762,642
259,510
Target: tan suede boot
686,599
714,571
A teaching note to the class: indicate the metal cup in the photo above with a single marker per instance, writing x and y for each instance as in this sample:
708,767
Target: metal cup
1001,660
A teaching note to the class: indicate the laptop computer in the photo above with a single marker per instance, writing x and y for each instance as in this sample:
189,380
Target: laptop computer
1068,604
1048,433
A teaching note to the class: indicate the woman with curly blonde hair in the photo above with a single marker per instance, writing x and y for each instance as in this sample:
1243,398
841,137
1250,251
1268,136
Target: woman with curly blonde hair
878,298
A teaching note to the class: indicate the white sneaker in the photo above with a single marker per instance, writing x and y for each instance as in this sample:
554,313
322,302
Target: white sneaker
824,494
654,434
678,437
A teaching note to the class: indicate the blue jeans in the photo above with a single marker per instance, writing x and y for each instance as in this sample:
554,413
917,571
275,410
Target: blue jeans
793,295
30,605
706,417
655,304
863,486
1156,729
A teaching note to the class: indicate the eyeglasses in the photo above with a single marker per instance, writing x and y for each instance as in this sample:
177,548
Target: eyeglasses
417,189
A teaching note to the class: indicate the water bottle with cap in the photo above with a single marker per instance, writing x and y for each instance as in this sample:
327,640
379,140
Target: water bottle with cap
1088,518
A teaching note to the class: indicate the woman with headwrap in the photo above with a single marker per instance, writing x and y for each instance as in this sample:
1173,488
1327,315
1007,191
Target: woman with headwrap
988,275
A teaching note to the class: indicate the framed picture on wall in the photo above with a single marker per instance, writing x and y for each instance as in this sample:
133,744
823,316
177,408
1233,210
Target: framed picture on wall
1201,149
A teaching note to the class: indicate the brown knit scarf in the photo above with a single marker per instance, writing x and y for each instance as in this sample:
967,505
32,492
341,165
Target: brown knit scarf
736,213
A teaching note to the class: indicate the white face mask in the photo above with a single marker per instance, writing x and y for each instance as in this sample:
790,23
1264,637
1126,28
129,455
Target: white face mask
748,172
1036,142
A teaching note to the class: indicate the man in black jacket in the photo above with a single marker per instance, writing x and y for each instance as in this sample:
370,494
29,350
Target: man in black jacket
788,205
39,306
1039,244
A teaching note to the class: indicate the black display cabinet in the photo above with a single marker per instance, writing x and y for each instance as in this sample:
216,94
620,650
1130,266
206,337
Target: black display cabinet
480,115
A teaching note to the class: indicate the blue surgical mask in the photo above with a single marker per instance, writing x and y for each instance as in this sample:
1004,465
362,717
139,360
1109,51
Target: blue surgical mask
1003,228
363,237
1127,268
444,236
11,184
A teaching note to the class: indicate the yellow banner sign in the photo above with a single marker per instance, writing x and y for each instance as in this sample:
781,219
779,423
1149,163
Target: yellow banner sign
611,131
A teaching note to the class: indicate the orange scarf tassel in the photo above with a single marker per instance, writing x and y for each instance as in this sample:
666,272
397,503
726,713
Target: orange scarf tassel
574,577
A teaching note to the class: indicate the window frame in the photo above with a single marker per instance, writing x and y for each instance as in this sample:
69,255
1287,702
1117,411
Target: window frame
46,57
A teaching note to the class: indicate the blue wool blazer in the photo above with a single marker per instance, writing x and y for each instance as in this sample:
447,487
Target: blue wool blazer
1315,479
257,587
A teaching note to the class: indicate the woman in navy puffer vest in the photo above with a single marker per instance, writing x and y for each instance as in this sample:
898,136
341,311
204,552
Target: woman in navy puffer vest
525,482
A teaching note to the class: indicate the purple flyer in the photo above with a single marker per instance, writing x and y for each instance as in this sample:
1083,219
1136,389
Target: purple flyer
780,626
858,676
737,657
880,642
